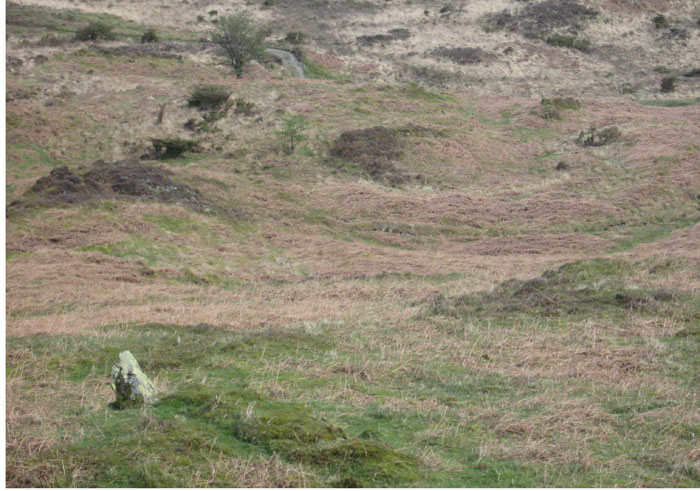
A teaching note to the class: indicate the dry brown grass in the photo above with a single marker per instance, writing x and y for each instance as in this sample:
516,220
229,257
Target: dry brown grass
329,250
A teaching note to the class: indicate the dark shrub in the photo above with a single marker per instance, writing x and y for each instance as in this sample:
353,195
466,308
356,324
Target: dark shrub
571,42
241,106
208,96
168,148
190,124
392,35
150,36
677,34
695,72
539,19
552,108
668,84
400,34
598,138
213,13
548,111
295,37
461,56
95,31
660,22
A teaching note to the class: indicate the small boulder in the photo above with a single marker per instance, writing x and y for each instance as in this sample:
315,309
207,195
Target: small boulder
131,386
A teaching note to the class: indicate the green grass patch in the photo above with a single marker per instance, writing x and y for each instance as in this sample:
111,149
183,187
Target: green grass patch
175,224
26,159
315,71
266,396
651,233
150,252
415,91
691,101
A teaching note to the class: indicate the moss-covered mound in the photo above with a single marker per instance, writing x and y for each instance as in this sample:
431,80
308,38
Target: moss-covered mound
592,288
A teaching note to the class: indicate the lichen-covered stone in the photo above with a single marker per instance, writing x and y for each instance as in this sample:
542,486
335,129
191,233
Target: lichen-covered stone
131,386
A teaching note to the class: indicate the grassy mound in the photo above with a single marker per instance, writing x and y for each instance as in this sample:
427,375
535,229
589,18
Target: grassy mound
591,288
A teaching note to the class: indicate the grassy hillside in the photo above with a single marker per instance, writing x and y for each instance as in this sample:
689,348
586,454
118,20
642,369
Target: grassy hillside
438,287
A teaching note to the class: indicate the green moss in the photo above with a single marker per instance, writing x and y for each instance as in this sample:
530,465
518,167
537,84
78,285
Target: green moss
283,426
367,462
276,341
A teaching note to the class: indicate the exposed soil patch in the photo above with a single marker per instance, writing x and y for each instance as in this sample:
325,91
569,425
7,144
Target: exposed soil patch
102,180
538,20
461,56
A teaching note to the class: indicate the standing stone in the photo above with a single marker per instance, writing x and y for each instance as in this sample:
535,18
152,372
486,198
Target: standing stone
131,386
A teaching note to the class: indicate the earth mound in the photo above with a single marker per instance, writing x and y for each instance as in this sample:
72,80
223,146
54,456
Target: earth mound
103,180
